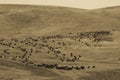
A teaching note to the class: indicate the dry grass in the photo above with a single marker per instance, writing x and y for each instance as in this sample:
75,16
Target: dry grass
105,75
22,22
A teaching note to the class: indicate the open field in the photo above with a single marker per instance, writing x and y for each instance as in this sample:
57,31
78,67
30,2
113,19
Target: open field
58,43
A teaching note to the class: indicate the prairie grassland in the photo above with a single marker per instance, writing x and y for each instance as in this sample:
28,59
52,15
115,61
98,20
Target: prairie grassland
58,43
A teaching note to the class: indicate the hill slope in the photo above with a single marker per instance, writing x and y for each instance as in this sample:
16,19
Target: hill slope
23,19
47,42
112,12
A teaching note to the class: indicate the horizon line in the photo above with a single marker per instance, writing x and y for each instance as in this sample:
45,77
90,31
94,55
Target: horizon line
57,6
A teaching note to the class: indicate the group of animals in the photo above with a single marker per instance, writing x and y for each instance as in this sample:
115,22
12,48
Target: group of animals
22,49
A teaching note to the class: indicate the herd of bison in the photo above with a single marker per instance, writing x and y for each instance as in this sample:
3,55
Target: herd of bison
51,45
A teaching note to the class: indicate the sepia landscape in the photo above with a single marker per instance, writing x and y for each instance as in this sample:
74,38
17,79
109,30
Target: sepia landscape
59,43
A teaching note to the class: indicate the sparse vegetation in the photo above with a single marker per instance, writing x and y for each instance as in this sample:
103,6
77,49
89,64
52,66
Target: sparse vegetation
50,42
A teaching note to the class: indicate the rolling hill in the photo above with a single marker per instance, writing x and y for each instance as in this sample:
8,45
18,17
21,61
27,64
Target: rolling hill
112,12
20,19
59,43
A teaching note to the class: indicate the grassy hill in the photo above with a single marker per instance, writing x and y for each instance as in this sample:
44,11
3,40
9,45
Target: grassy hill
23,19
112,12
48,42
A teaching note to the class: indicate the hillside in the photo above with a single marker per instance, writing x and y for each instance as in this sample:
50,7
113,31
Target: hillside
112,12
20,19
58,43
